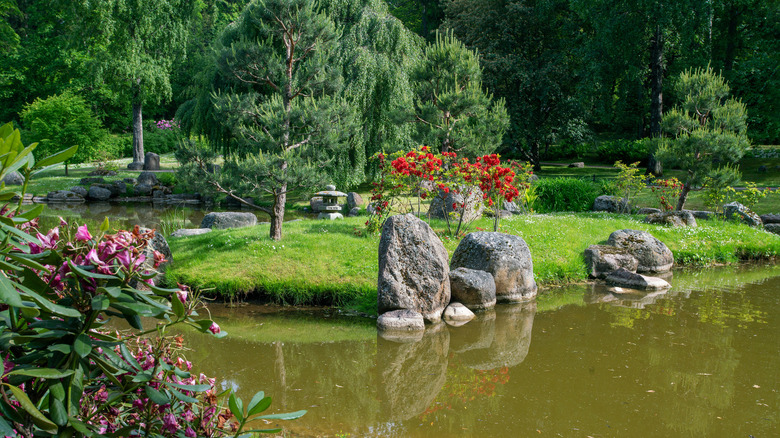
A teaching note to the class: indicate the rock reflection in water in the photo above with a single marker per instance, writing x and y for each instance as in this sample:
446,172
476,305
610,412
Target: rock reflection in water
496,339
411,374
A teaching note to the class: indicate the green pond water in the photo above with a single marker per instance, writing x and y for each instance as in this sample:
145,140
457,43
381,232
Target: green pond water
702,360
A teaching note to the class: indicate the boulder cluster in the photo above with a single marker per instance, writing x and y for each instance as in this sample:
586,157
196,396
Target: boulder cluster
418,283
627,255
96,188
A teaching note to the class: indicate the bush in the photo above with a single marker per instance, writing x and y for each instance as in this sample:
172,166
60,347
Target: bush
118,145
566,150
627,151
62,121
167,179
566,194
161,137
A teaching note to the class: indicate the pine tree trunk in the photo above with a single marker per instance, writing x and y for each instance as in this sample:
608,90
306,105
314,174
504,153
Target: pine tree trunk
138,132
731,38
535,160
684,195
277,218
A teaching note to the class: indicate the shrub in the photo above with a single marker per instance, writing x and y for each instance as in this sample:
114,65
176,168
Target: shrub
161,141
167,179
567,149
627,151
566,194
61,121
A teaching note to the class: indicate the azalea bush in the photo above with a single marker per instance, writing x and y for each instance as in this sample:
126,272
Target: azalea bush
64,372
666,192
408,179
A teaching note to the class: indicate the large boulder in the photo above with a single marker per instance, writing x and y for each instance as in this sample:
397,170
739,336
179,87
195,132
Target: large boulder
156,244
611,204
651,253
737,211
142,190
354,200
506,257
648,210
474,289
441,205
97,193
316,204
81,191
151,161
771,218
148,178
13,179
772,228
673,218
226,220
93,180
600,260
624,278
136,165
413,268
64,196
702,214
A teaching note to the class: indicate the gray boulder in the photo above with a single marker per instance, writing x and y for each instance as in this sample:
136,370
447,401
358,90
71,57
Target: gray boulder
119,188
142,189
97,193
651,253
131,181
354,200
81,191
441,205
151,161
506,257
186,232
702,214
148,178
772,228
646,210
624,278
330,216
159,244
611,204
674,218
226,220
737,211
474,289
13,179
92,180
456,314
771,218
511,207
355,211
316,204
600,260
136,165
400,320
578,165
64,196
413,268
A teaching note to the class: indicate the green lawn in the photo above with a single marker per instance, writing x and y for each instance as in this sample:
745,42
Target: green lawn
320,262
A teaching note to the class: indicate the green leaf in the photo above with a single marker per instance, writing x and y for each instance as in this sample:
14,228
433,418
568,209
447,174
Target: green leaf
104,225
80,427
32,213
236,407
112,291
252,403
38,418
43,373
57,158
48,305
157,396
84,273
57,412
178,306
100,302
290,416
5,428
8,293
57,389
193,388
182,397
83,345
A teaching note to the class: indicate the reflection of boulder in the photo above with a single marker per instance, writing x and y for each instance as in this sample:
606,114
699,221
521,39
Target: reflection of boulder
511,338
630,298
96,208
478,335
411,375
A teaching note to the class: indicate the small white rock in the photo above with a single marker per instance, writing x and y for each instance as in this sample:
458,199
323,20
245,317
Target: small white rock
457,313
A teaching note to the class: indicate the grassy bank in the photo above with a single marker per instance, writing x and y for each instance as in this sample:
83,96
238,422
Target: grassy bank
321,262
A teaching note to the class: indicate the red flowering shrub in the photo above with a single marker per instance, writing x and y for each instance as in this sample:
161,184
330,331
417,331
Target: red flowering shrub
666,192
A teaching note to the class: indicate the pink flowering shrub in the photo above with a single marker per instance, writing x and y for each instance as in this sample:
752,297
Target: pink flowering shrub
64,372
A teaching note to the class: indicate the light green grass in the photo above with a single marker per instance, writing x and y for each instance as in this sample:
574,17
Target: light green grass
320,262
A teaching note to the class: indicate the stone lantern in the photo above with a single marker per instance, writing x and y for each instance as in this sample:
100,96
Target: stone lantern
330,208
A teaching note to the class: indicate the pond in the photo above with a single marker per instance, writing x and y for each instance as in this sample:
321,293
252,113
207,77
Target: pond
702,360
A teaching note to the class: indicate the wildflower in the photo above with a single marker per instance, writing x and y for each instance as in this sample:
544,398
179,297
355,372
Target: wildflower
82,234
170,424
214,328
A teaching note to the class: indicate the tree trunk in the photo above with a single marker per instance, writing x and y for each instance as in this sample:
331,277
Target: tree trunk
277,218
731,38
138,132
684,195
535,160
656,94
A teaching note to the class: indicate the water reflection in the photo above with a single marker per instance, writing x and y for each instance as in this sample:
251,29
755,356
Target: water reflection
694,362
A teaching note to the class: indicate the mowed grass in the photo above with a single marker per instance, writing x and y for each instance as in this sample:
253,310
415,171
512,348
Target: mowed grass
321,262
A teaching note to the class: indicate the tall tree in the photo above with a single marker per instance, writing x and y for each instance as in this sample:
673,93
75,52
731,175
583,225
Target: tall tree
136,43
277,94
525,49
421,16
451,110
708,131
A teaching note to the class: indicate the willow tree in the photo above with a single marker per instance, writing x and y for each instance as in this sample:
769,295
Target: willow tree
451,110
135,44
708,131
279,98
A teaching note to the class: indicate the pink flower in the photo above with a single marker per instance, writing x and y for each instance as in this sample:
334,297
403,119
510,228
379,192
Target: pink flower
92,256
82,234
182,294
189,433
214,328
63,224
170,424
